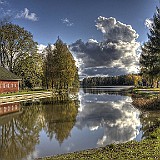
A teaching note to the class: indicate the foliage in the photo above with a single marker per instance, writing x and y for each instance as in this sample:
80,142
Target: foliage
18,53
130,79
59,67
150,56
30,70
15,44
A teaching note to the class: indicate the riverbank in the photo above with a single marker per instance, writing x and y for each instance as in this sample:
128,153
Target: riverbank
148,148
146,90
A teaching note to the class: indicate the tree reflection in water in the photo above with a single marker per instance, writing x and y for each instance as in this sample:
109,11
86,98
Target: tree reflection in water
60,118
19,133
101,118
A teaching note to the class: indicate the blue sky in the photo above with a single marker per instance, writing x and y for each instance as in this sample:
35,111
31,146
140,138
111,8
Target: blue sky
82,13
76,19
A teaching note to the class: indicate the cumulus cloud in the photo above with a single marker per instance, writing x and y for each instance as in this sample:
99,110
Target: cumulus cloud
67,22
114,30
148,22
114,113
115,55
25,14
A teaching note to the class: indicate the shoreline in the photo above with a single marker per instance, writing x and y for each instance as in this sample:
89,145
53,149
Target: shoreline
147,148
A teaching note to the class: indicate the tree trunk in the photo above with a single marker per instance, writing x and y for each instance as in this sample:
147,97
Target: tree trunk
152,85
157,83
52,84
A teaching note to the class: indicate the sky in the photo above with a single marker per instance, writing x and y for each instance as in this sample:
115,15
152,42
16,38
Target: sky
103,35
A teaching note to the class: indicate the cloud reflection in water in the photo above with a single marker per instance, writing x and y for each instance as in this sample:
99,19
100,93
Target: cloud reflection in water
114,113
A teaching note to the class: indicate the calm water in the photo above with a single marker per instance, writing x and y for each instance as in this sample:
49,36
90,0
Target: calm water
47,128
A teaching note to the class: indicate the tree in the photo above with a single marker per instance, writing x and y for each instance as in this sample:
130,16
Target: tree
15,44
59,67
149,60
30,70
18,53
48,67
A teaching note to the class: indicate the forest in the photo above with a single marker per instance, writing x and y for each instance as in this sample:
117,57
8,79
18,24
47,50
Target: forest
130,79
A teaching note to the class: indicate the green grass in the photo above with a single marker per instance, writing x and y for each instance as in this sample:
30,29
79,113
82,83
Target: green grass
145,92
146,149
147,89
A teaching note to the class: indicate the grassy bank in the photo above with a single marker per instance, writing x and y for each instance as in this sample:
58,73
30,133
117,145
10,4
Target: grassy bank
145,91
146,149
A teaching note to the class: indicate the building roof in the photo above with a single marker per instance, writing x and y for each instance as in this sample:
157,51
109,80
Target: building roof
7,75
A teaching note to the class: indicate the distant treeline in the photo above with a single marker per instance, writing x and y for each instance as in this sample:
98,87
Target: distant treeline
129,79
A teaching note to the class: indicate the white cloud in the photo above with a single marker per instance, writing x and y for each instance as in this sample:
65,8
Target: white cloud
115,55
148,22
114,30
41,48
67,22
25,14
115,114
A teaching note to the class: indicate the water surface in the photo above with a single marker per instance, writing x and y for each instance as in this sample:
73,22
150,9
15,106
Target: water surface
47,128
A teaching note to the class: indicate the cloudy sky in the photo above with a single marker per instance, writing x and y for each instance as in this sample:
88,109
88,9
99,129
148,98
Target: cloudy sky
103,35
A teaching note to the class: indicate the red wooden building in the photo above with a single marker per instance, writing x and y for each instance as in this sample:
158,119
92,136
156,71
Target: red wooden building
9,82
9,108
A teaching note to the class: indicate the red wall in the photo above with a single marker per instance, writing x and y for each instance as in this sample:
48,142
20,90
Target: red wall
9,108
9,86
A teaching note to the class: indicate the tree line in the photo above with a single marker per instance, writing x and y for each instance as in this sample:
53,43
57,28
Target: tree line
55,68
130,79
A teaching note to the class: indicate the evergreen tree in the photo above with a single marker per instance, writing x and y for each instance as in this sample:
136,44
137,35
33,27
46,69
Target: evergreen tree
59,67
149,60
48,67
